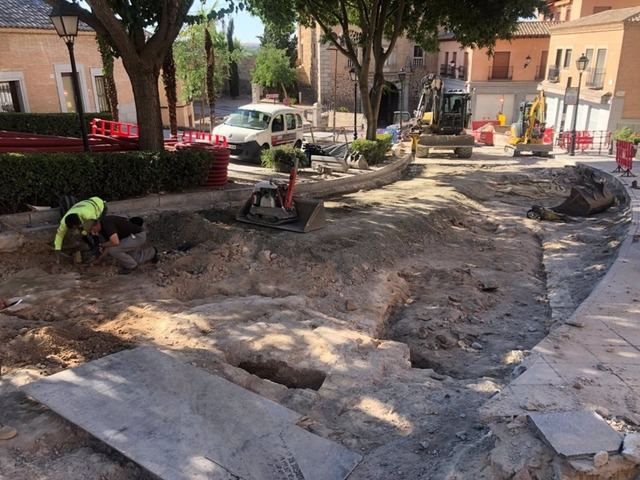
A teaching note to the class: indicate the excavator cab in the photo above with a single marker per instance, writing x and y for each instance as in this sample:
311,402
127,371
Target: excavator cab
441,119
527,134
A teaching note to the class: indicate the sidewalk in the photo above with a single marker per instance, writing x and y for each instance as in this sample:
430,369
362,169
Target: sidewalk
592,362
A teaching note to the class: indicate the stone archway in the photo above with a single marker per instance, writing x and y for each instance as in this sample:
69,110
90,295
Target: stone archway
388,104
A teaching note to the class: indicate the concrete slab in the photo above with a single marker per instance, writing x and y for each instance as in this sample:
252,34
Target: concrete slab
179,422
575,434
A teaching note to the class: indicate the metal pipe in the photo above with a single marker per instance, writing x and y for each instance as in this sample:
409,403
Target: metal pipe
575,117
78,97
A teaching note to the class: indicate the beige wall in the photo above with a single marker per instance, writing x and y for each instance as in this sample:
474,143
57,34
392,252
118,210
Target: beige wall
609,37
39,55
480,62
628,83
565,10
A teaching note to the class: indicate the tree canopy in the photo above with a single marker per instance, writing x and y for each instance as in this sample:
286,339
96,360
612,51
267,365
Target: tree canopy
273,69
366,31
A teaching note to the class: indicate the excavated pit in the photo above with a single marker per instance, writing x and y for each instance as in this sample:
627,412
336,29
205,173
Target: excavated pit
442,266
279,372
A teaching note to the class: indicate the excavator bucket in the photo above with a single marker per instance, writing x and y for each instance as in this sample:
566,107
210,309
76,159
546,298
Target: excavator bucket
310,216
584,201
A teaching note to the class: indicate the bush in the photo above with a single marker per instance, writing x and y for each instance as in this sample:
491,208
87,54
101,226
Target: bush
627,135
62,124
386,139
282,159
373,151
41,178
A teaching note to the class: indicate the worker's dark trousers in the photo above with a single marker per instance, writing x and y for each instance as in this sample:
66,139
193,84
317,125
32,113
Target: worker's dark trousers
132,251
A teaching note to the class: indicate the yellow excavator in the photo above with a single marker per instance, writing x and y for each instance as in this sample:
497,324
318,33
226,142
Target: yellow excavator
527,134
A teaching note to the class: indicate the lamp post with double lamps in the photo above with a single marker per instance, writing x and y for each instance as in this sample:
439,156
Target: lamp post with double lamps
65,22
401,76
581,64
353,74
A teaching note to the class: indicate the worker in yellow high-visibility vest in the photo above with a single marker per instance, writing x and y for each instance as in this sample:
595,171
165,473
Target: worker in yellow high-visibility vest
93,208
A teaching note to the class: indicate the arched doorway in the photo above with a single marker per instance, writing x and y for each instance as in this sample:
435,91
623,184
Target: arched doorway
388,104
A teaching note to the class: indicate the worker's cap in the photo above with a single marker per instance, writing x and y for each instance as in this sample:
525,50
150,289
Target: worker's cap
88,225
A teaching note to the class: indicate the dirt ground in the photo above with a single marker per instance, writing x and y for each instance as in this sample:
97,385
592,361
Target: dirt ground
386,330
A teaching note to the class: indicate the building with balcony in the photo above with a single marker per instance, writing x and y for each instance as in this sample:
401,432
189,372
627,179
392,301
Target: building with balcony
568,10
501,80
323,74
610,87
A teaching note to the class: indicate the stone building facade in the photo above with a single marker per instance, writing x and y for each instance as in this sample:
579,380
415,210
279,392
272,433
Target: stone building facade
35,73
323,74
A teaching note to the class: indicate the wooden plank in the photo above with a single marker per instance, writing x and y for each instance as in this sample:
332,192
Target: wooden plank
179,422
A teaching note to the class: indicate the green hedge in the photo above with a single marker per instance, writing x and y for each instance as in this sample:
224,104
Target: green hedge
373,151
282,159
41,178
62,124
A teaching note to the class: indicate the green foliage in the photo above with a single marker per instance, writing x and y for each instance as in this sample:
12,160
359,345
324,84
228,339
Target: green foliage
282,159
342,109
234,75
62,124
191,60
627,134
385,140
373,151
281,37
40,178
273,69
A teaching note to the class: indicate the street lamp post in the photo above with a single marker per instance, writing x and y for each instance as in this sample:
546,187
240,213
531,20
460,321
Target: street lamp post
581,63
401,76
354,78
66,25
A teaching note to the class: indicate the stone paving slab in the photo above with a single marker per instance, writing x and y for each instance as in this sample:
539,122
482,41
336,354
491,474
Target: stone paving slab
598,362
181,423
574,434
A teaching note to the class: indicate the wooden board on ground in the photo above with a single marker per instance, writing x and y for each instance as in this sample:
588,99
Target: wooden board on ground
180,422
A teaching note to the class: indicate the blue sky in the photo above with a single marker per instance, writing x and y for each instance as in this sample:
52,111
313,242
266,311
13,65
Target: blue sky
247,27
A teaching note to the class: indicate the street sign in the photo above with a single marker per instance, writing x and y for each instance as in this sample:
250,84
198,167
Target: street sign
571,96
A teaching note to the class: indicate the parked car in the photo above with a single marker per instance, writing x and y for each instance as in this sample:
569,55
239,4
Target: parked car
259,126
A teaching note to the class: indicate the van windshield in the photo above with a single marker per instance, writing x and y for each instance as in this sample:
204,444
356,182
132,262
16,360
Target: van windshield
249,119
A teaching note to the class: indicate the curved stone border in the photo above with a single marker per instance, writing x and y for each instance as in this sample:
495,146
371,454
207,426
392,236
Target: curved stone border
228,197
591,362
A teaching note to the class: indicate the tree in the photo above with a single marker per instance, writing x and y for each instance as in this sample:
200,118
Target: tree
282,37
171,90
210,74
234,76
141,32
366,31
107,54
273,69
202,77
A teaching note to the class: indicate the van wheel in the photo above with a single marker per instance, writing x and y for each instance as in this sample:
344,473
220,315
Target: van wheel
298,144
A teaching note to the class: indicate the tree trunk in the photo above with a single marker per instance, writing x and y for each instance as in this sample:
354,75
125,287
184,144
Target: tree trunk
171,91
111,92
112,96
210,76
144,81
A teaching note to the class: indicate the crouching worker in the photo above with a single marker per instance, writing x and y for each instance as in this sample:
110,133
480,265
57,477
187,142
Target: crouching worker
90,209
125,242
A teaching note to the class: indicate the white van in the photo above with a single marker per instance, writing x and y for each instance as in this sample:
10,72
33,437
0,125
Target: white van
259,126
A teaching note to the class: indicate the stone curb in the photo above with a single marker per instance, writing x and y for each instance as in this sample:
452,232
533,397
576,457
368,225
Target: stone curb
194,201
599,306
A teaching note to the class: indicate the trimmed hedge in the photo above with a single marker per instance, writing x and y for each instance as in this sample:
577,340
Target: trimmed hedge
282,159
41,178
373,151
61,124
